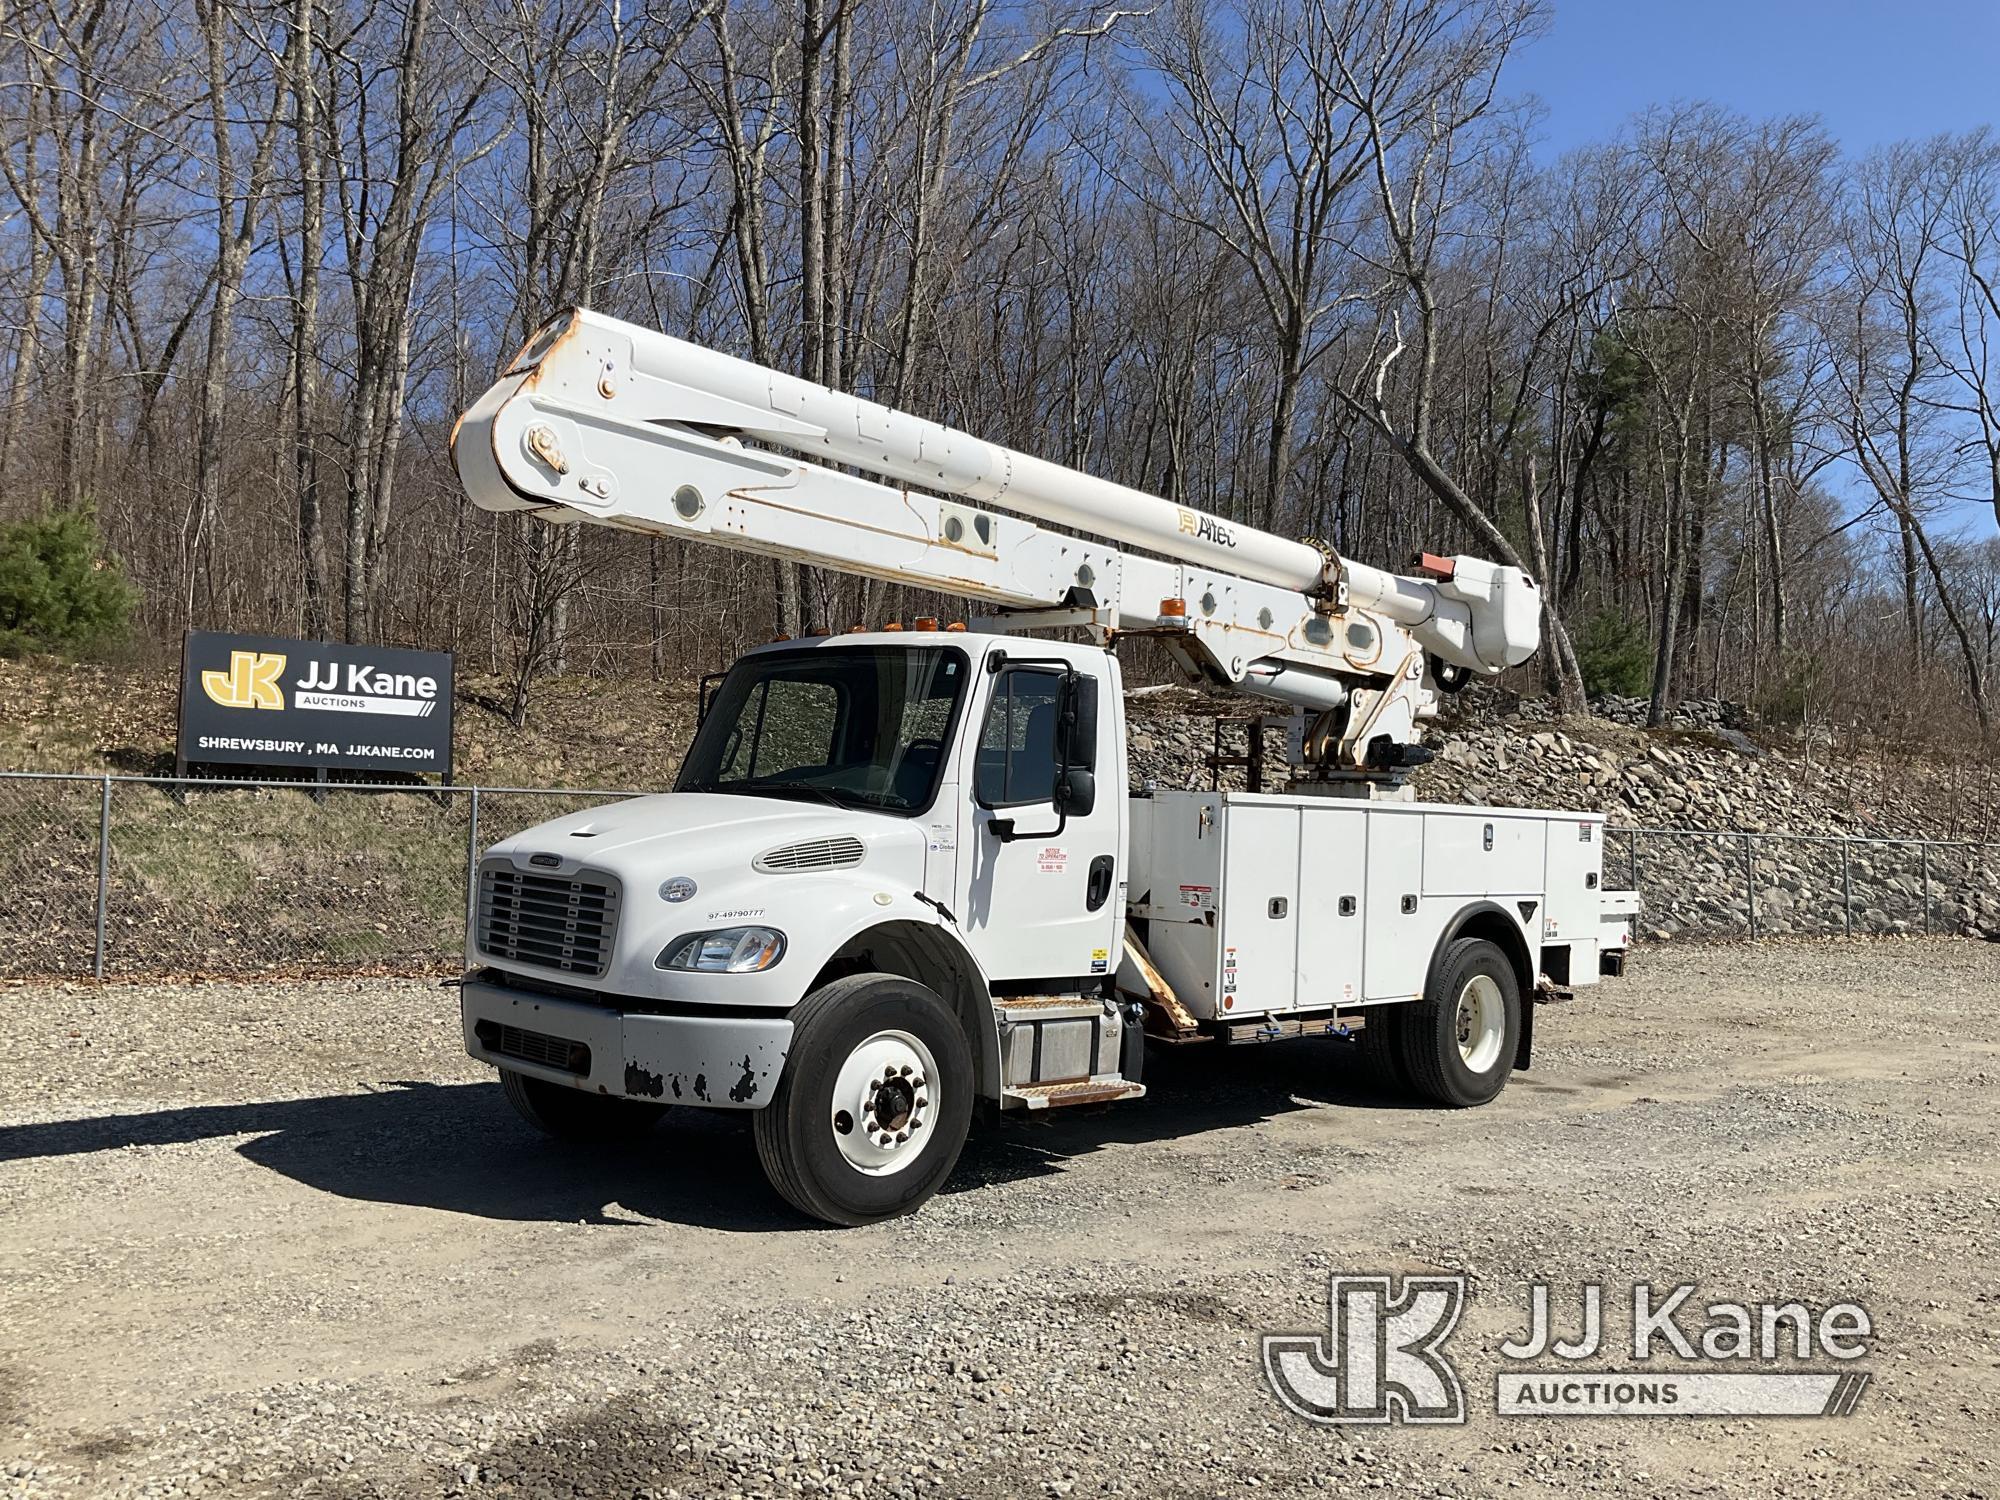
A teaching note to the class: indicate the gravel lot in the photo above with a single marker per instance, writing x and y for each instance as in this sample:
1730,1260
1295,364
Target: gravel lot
283,1238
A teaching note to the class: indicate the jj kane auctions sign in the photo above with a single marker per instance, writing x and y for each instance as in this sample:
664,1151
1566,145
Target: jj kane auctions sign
262,700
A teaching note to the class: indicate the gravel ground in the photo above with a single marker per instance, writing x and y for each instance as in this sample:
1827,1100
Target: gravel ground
281,1238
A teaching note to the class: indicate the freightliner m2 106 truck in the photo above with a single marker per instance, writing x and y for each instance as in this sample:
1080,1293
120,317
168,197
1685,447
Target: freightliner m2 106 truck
904,874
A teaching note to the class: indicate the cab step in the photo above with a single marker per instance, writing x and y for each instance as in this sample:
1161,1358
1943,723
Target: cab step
1076,1091
1039,1008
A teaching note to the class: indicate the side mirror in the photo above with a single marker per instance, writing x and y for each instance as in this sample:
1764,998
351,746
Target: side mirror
1079,747
1075,792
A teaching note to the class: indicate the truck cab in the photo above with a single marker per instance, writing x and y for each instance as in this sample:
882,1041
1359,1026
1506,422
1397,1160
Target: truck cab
888,856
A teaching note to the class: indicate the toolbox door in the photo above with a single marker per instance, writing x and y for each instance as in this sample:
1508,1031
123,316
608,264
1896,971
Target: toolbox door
1333,876
1260,917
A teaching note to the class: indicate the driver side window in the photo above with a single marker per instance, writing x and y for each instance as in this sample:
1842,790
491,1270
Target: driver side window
1017,758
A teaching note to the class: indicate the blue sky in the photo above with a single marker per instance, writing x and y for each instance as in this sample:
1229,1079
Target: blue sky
1874,71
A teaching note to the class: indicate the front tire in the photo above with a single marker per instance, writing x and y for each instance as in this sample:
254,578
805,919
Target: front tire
874,1102
1458,1042
572,1115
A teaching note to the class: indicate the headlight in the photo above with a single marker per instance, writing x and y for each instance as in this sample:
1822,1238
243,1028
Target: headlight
727,950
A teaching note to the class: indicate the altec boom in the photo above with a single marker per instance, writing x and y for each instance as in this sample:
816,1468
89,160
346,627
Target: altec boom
903,872
603,421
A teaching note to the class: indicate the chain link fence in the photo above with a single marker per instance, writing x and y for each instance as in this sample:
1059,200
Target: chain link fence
122,877
1709,883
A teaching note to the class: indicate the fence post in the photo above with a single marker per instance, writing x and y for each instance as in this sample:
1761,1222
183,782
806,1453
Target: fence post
1847,884
1635,861
1927,884
103,875
471,873
1750,880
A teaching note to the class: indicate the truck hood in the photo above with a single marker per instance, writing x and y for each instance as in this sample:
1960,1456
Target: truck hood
701,831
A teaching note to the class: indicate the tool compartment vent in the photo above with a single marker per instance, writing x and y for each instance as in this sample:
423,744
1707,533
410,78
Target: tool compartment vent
814,854
565,923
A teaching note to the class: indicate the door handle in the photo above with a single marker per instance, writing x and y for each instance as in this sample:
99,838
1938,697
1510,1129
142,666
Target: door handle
1097,890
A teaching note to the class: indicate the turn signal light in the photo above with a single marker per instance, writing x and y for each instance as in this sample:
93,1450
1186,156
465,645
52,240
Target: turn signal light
1173,609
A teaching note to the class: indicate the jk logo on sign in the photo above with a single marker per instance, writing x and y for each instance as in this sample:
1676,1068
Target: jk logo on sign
1379,1359
250,682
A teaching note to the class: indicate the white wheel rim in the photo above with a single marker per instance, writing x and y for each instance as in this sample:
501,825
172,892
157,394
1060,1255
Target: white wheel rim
885,1101
1482,1022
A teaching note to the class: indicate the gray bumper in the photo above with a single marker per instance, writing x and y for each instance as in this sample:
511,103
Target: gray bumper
726,1062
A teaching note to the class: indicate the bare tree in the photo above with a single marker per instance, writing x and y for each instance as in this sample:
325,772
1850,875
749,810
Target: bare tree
1897,226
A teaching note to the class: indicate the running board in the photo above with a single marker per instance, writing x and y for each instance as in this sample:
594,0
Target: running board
1077,1091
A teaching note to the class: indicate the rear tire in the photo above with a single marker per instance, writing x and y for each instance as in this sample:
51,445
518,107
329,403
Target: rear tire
1458,1042
874,1102
572,1115
1380,1046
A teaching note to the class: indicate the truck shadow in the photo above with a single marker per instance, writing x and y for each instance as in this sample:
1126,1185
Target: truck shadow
461,1149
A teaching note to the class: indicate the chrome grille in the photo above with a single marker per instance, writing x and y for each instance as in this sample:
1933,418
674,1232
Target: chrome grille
556,922
813,854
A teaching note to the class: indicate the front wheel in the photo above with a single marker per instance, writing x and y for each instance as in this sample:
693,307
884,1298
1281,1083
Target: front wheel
572,1115
873,1105
1458,1042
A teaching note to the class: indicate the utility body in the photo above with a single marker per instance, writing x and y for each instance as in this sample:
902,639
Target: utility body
904,872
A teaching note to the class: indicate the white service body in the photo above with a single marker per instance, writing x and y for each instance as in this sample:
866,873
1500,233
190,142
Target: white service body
1273,905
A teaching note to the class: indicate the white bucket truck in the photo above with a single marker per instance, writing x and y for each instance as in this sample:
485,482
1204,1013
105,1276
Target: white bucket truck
904,872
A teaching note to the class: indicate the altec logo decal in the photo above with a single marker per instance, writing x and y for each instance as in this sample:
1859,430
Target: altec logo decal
1206,528
250,682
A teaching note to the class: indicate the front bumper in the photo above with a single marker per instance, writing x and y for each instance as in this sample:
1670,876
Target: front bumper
724,1062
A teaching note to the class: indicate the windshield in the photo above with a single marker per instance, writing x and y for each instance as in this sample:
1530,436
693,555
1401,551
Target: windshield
864,726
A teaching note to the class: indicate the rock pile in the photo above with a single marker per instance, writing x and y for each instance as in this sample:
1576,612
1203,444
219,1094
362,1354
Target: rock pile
1724,837
1690,713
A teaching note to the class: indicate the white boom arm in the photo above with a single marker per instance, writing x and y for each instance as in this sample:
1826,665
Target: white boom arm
603,421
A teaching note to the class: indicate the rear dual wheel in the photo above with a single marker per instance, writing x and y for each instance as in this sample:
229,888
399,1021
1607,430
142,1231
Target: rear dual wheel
1456,1046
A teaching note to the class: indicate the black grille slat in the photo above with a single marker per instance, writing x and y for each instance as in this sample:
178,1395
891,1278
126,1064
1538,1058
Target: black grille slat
534,1047
531,900
557,922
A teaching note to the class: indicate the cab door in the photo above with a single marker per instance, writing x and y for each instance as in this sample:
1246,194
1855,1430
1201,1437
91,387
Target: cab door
1040,889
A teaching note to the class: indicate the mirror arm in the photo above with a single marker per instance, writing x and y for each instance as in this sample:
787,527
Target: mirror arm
1004,830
